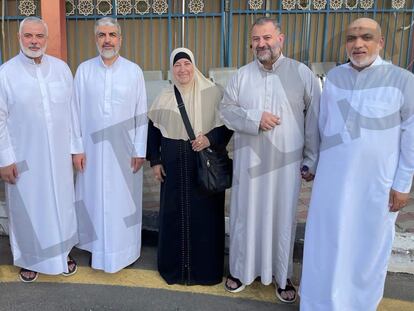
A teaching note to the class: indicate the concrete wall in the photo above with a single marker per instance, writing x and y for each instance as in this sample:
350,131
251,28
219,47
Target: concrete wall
150,200
4,228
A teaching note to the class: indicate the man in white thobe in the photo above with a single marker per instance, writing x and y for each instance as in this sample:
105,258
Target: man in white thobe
272,105
111,100
363,178
35,155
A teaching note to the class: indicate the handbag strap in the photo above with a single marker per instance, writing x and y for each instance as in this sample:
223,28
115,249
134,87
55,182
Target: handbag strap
183,113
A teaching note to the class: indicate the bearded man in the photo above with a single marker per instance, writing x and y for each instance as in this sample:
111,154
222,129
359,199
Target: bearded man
364,176
272,105
111,99
35,155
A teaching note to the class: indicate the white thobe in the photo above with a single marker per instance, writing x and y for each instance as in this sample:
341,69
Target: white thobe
112,107
266,178
367,148
35,133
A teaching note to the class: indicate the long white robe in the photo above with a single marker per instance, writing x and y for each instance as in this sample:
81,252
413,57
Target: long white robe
35,133
267,178
367,148
112,105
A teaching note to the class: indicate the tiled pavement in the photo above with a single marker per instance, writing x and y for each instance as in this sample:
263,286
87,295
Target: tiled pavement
403,249
402,258
405,220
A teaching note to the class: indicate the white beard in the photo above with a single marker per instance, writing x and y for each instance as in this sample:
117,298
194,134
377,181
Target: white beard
32,54
364,62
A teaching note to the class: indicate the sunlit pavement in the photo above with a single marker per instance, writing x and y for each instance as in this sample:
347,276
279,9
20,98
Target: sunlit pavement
139,287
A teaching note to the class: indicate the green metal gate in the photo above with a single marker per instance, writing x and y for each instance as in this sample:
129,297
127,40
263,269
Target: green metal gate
217,31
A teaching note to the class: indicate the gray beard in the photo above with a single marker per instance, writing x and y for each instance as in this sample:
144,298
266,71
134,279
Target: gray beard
108,54
268,57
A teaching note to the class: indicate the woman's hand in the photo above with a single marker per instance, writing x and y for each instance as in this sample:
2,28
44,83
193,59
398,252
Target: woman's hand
159,172
200,143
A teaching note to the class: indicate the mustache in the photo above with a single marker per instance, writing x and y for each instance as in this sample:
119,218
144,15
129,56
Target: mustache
263,48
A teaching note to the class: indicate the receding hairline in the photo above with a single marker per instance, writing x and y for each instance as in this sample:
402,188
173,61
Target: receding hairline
365,22
265,20
107,21
33,20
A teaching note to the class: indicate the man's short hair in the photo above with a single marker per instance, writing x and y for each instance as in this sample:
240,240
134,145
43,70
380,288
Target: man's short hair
33,19
264,20
108,21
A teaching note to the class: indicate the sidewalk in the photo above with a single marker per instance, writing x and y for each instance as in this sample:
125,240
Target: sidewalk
402,259
139,287
405,220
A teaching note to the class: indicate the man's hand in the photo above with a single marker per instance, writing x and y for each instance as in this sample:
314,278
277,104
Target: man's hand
136,164
397,200
268,121
306,174
9,173
79,161
159,172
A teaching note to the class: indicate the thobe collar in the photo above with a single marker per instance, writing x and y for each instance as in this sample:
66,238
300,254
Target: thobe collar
377,61
114,65
27,60
275,65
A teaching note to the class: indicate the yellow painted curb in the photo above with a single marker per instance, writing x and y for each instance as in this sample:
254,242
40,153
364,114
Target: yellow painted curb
151,279
395,305
141,278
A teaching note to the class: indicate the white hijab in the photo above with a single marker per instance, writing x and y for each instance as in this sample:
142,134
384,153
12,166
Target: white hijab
201,98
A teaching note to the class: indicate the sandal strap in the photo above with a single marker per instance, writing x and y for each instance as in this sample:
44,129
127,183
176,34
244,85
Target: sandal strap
289,287
286,289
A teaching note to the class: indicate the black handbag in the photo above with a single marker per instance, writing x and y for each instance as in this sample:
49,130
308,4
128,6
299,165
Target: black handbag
214,168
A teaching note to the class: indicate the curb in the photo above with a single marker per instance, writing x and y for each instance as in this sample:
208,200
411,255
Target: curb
401,260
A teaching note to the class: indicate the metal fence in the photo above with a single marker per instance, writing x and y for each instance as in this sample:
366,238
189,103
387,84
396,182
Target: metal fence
315,30
151,30
217,31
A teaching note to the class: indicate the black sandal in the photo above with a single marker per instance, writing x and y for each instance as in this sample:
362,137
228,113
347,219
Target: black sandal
71,262
289,287
239,288
27,279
